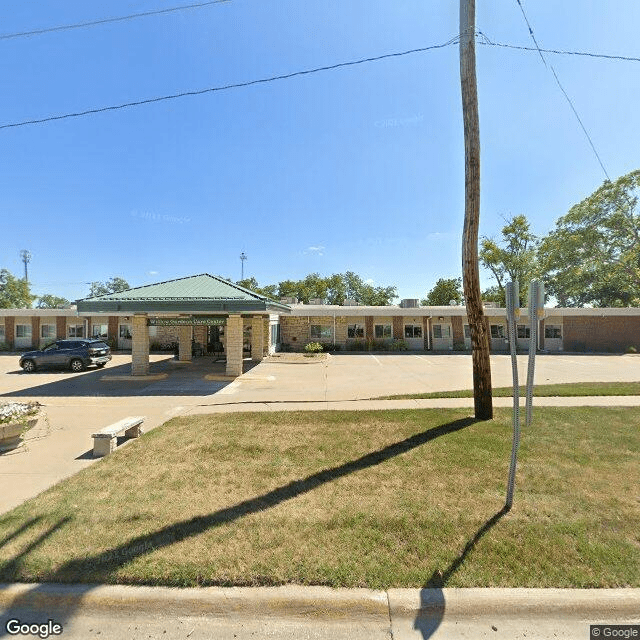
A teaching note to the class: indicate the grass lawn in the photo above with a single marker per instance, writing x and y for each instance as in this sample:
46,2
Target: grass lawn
568,389
361,499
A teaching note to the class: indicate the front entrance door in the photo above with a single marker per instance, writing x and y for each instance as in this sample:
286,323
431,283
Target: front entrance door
124,336
214,343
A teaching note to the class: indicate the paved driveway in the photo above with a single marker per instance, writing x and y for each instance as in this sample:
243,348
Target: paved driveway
76,405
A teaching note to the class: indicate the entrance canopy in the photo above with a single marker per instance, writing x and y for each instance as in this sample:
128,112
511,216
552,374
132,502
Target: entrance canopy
203,293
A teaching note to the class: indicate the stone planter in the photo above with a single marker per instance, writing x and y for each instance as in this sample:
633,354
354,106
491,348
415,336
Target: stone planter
11,433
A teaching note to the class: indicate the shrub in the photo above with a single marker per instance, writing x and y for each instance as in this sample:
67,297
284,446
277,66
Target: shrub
4,346
356,345
631,349
313,347
398,345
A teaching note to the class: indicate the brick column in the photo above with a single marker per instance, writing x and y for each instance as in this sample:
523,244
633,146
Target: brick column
425,332
184,343
10,331
112,330
368,327
257,338
398,330
233,335
266,332
35,332
139,346
61,327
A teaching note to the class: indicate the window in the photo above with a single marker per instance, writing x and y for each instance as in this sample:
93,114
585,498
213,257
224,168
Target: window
319,332
275,334
552,331
125,332
2,334
382,331
413,331
75,331
497,331
355,331
524,331
47,330
467,331
441,331
23,331
100,331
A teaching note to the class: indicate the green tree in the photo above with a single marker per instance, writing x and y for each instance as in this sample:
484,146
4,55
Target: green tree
15,293
592,257
113,285
445,290
513,258
49,301
270,290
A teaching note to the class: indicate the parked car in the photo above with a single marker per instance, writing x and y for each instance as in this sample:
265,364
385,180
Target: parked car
76,355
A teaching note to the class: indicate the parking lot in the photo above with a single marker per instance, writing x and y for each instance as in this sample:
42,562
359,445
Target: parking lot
77,404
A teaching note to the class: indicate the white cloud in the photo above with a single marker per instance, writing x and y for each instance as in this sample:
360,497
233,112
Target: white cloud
369,281
152,273
318,251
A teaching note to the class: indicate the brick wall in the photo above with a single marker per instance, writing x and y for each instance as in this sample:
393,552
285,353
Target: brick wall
295,332
608,334
458,333
61,327
35,331
9,330
113,328
398,328
368,327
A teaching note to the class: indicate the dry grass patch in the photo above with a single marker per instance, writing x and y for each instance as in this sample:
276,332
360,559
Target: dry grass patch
377,499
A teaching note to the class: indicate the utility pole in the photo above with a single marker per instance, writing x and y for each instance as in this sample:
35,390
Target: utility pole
243,257
26,258
483,402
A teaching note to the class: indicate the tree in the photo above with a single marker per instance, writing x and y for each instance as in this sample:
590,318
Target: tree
592,257
15,293
445,290
271,290
113,285
49,301
515,258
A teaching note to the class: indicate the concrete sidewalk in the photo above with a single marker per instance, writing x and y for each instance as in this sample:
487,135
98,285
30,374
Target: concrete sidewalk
86,611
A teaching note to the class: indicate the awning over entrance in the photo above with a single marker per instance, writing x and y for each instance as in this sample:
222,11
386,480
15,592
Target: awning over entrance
186,302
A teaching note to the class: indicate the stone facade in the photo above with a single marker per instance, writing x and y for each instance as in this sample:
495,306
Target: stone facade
234,345
140,346
600,334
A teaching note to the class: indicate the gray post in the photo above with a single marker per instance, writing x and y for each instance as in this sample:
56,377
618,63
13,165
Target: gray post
513,304
536,301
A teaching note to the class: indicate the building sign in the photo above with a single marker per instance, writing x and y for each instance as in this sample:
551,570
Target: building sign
186,321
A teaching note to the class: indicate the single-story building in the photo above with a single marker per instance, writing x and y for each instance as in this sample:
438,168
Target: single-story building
211,315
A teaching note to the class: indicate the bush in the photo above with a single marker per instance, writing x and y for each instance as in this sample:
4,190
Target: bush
398,345
4,346
313,347
631,349
330,347
356,345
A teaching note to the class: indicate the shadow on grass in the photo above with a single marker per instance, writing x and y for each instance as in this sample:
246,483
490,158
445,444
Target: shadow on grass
432,601
100,566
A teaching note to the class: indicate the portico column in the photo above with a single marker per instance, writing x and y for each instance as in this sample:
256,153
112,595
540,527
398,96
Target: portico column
257,338
139,346
233,336
184,343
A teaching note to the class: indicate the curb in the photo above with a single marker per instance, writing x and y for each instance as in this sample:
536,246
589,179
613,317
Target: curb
325,603
130,378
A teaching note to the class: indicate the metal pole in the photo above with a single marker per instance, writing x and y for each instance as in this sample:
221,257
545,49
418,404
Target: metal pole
535,294
513,304
243,257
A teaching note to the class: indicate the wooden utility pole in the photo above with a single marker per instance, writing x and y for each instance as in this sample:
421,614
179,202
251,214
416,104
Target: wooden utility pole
470,273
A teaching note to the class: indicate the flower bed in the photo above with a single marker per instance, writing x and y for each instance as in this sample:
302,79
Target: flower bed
15,419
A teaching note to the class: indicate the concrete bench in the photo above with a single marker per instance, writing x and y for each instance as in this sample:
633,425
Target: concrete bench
105,441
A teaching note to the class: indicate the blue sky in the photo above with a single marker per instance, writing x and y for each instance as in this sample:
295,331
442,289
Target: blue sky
357,169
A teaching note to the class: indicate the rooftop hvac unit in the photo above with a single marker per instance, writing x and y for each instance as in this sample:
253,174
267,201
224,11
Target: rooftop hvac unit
409,303
349,302
289,300
316,301
491,305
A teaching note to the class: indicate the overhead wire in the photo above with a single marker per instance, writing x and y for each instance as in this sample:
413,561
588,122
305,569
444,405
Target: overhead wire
227,87
93,23
566,95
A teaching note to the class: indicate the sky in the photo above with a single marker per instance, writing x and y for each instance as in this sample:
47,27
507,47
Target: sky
359,168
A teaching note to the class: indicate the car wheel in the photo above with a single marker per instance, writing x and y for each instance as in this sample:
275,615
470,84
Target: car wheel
29,366
100,365
76,365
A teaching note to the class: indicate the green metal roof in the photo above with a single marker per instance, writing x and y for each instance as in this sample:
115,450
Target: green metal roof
203,292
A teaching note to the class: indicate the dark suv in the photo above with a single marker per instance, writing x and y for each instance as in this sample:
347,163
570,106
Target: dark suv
74,354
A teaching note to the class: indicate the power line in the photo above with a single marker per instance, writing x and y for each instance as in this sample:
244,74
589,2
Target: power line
566,95
227,87
93,23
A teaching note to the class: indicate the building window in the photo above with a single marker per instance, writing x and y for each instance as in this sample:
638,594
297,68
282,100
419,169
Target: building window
23,331
413,331
552,331
275,334
75,331
100,331
382,331
524,331
442,331
467,331
2,334
319,332
47,330
355,331
125,331
497,331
